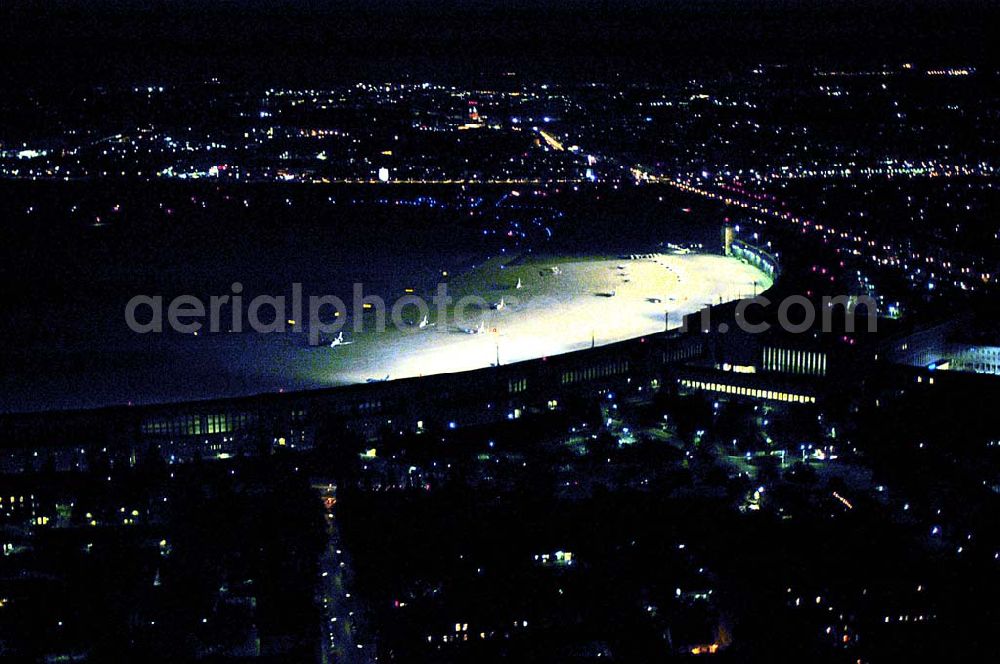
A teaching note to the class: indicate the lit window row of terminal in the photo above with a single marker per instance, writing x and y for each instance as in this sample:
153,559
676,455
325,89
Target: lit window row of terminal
752,392
591,373
794,361
197,425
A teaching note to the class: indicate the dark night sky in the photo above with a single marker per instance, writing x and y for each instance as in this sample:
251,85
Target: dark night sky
59,41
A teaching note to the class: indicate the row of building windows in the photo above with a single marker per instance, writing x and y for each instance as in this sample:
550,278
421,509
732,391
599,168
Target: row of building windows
753,392
350,408
590,373
228,422
979,359
182,425
685,352
805,362
197,425
977,367
517,385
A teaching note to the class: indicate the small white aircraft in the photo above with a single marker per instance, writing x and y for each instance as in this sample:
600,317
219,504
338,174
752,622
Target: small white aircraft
518,285
424,323
498,306
476,330
339,341
377,380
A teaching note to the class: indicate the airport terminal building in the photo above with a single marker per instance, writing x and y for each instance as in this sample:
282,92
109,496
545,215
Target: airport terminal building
821,371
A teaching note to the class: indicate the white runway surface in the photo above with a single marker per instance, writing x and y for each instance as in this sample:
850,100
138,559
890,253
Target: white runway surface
562,305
